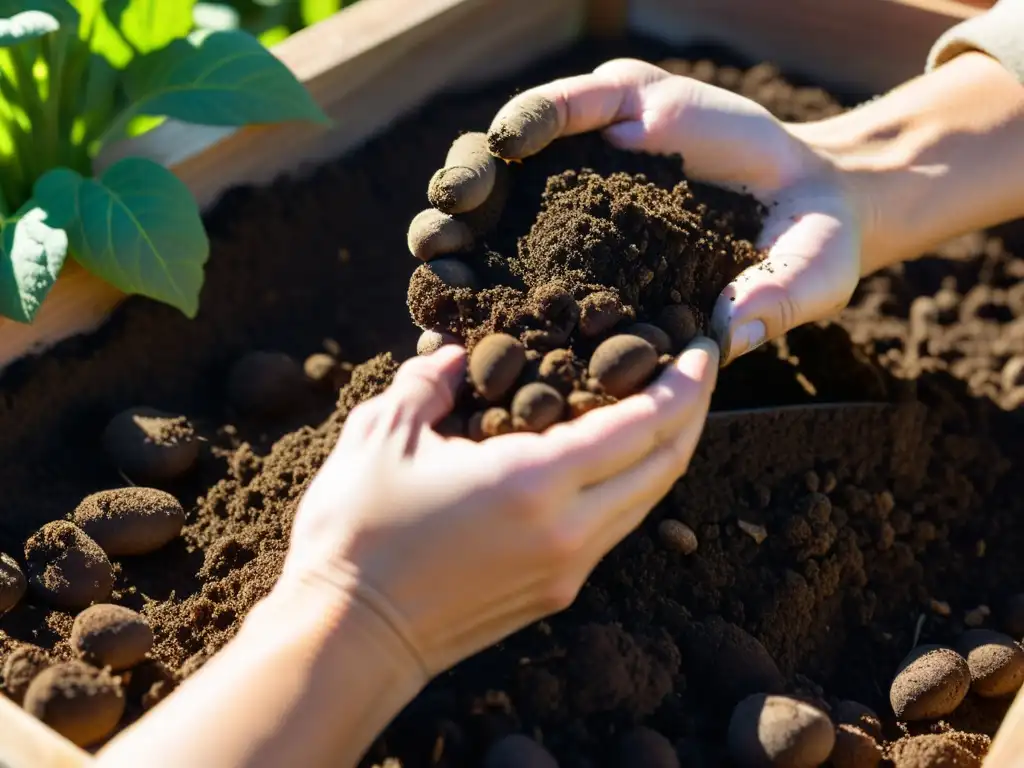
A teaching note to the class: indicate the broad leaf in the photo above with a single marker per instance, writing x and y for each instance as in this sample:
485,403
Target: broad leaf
61,10
148,25
32,253
136,226
27,25
218,78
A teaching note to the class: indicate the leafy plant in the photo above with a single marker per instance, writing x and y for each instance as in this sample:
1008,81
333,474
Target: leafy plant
271,20
76,75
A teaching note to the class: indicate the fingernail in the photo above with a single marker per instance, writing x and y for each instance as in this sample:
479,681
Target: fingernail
747,337
710,346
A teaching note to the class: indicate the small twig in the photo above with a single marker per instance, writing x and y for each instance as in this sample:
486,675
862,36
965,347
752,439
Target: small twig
917,630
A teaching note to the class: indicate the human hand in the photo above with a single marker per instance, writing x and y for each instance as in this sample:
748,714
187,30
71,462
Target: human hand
457,544
813,229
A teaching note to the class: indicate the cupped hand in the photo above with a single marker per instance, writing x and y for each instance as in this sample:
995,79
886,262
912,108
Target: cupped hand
813,228
456,544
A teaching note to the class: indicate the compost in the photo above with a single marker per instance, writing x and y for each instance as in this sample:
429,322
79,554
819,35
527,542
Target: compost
791,571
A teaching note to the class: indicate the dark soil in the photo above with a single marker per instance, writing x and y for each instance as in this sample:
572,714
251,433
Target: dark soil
826,542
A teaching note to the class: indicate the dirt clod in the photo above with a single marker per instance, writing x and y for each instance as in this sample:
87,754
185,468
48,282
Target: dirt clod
854,748
781,732
930,683
130,521
680,323
495,364
21,667
496,421
600,312
657,337
431,341
149,445
107,635
81,703
536,407
265,383
581,402
677,536
931,751
149,683
996,662
856,714
518,751
622,364
646,747
12,583
326,371
66,567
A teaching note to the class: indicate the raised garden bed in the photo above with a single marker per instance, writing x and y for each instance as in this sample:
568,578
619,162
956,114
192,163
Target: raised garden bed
876,523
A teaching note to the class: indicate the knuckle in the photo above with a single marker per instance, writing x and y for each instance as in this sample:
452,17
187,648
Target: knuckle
559,594
562,544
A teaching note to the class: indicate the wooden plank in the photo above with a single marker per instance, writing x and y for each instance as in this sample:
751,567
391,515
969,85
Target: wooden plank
1007,750
27,743
855,45
366,66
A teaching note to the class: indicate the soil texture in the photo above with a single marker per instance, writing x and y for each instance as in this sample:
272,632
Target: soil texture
820,546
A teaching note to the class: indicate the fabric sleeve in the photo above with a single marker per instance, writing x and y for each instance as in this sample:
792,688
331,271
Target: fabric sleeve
999,32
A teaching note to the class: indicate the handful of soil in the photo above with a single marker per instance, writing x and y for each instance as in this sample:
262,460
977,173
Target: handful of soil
603,266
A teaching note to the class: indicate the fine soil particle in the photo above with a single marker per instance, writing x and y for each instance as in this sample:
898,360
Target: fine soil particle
21,667
81,703
932,751
107,635
67,568
130,521
996,662
149,445
924,498
767,731
13,584
931,682
265,384
854,748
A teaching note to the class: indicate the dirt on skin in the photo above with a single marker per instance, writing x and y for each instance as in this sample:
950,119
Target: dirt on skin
826,543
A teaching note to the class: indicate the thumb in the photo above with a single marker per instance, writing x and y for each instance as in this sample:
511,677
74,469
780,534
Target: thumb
425,387
809,275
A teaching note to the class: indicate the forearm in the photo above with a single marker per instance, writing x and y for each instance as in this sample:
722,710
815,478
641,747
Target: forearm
309,680
939,156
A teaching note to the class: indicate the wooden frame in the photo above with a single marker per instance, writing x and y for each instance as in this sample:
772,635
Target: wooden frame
379,59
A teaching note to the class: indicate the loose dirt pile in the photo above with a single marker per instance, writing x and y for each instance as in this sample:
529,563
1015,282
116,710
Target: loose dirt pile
826,547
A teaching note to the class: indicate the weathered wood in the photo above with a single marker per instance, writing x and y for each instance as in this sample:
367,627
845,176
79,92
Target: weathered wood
26,743
864,46
1007,749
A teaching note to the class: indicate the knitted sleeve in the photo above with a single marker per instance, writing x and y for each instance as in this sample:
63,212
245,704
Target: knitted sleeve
999,33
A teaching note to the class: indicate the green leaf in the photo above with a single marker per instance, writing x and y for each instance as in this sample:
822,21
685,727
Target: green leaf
148,25
274,35
218,78
32,252
314,11
27,25
61,10
136,226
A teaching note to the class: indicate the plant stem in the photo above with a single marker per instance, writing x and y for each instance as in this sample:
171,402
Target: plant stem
55,51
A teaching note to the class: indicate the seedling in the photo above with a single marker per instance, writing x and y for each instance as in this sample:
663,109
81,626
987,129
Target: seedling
76,75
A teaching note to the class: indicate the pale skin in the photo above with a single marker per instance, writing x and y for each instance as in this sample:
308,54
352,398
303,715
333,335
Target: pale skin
412,551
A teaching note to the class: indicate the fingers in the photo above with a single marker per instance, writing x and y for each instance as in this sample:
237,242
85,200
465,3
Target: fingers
535,118
424,388
433,234
609,440
810,274
467,177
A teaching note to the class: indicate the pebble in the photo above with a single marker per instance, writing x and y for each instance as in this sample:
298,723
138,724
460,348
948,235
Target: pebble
21,667
680,323
451,271
494,365
431,341
81,703
536,407
66,567
648,748
495,422
995,660
976,616
854,713
130,521
622,364
12,583
559,368
518,751
149,445
654,335
780,732
581,402
729,662
755,531
265,384
600,312
854,748
1013,616
677,536
326,371
931,683
107,635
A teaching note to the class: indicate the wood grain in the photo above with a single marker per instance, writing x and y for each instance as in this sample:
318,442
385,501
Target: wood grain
859,46
1007,750
26,743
